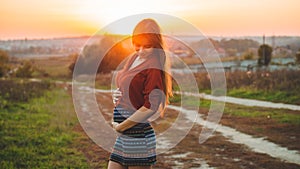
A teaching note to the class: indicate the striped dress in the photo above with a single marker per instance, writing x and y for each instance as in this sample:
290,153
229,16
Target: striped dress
135,146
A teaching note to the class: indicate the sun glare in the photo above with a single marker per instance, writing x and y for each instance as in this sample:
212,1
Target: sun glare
69,18
103,13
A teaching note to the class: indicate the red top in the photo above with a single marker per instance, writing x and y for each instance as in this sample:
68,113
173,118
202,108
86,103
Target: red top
138,84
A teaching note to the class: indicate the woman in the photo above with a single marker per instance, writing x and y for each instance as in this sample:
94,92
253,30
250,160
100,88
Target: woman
144,87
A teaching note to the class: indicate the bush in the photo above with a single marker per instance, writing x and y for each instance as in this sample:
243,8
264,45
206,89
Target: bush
25,70
277,86
3,69
279,80
13,92
249,55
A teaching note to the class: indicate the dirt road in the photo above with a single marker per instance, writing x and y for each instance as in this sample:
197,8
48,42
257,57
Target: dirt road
236,143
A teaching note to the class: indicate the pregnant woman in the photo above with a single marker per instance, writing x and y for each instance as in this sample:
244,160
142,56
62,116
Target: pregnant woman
144,87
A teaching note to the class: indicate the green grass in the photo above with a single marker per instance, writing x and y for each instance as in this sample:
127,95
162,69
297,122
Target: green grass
189,101
38,134
280,115
274,96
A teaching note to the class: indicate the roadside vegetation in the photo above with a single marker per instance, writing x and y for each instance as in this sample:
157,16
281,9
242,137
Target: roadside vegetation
279,115
276,86
36,127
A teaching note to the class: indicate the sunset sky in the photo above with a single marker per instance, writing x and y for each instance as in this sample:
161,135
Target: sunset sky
57,18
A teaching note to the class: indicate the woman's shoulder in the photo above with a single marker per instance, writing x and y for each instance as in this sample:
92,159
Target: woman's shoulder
154,62
132,57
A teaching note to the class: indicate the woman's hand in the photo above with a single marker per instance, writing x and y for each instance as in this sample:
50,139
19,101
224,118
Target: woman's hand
116,94
115,126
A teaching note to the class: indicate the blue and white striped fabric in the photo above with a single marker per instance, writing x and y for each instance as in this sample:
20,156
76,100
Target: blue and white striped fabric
135,146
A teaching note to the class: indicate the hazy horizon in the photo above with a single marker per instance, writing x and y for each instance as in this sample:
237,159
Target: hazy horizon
88,36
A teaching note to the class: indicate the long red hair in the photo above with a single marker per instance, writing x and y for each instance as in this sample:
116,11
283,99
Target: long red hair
148,28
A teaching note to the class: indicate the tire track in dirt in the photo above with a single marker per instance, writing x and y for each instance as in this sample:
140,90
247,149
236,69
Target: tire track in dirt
259,145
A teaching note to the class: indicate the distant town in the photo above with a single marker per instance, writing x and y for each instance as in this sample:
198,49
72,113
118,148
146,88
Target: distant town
283,46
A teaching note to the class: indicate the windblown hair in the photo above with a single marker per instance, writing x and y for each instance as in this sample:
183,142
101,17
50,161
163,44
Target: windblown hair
148,28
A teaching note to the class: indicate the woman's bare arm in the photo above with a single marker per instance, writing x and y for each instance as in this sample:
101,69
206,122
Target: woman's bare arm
140,116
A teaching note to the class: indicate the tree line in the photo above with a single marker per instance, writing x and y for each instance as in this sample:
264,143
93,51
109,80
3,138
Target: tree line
106,54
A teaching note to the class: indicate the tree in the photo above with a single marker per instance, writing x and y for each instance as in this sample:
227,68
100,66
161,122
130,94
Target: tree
108,50
3,63
298,56
264,55
113,57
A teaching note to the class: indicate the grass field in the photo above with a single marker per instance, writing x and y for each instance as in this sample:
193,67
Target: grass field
52,67
39,133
